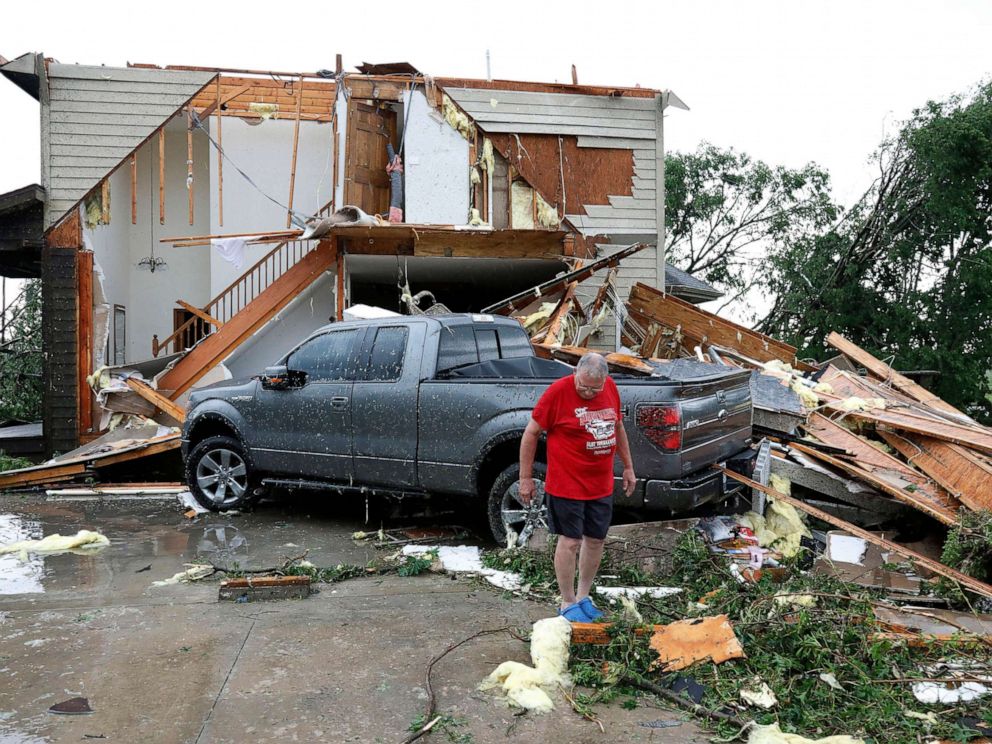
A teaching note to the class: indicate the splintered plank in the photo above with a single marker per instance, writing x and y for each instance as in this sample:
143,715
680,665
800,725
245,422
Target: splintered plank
979,587
883,371
672,312
572,354
40,474
973,436
157,399
965,475
894,481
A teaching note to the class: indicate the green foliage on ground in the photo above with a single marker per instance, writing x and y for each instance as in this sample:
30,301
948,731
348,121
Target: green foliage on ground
9,462
788,648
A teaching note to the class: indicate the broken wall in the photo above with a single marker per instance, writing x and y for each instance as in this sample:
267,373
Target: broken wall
149,298
264,151
436,166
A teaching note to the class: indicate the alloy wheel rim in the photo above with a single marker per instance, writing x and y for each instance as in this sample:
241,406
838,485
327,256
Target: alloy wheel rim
222,476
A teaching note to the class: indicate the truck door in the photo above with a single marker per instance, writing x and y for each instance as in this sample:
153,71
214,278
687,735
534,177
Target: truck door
385,405
306,431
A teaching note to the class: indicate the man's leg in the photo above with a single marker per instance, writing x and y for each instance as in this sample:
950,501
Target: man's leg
590,556
566,552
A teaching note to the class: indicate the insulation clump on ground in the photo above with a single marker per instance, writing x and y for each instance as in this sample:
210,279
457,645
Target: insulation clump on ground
530,688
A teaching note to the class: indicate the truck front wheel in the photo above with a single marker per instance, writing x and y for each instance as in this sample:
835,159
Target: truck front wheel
218,474
508,513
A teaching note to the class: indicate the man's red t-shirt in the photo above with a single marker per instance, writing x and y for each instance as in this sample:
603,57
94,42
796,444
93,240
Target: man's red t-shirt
582,439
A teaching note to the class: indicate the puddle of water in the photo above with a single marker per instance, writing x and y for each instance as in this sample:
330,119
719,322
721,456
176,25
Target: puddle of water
17,576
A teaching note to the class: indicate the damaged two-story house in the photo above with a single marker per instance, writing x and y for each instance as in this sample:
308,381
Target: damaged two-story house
167,227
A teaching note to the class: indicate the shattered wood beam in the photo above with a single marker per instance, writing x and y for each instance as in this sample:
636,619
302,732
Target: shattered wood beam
202,314
672,312
84,336
40,474
154,446
161,176
220,160
600,300
890,481
961,472
558,316
616,361
884,372
974,436
974,585
522,299
157,399
105,201
189,161
296,149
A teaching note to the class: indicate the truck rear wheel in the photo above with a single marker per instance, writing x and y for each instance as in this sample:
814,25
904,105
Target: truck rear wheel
507,512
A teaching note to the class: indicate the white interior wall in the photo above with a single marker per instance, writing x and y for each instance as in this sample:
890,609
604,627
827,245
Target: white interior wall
265,152
436,166
310,310
149,298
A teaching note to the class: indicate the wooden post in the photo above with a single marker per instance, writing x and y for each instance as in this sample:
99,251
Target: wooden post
189,160
334,134
220,162
161,176
296,147
339,278
575,76
338,64
134,188
84,337
105,201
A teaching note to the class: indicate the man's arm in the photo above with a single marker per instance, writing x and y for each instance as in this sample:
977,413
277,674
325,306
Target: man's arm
623,450
528,449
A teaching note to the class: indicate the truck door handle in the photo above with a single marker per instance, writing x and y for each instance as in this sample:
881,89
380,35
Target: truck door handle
339,402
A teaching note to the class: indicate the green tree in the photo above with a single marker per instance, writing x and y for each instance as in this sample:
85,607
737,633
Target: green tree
907,272
21,357
725,211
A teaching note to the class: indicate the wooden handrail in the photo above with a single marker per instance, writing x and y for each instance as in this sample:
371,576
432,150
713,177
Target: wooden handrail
224,306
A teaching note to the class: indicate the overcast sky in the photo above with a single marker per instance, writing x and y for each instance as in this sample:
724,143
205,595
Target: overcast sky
787,82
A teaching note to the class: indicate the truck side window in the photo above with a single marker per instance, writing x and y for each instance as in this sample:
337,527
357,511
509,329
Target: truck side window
326,358
456,347
388,349
514,343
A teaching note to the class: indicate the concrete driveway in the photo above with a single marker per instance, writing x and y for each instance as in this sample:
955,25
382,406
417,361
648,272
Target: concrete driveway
172,664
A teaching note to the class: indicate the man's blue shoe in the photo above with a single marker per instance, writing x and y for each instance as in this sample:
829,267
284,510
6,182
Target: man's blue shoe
591,611
575,614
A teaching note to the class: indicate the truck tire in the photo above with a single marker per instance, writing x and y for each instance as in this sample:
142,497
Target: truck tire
506,510
218,474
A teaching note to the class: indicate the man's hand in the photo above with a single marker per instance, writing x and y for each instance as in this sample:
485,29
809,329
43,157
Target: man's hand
629,481
527,491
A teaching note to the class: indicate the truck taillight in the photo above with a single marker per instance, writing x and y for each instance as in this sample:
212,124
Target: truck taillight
662,425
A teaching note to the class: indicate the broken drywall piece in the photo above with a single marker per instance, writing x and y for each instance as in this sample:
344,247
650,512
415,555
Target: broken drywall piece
759,695
467,559
187,501
84,541
681,644
846,548
772,734
194,572
530,688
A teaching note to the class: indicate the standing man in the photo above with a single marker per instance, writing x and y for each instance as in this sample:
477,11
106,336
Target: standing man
581,414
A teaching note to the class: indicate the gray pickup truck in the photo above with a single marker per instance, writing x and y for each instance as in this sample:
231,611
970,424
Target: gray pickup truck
437,405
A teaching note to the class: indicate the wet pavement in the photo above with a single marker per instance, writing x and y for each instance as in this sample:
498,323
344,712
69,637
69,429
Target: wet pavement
172,664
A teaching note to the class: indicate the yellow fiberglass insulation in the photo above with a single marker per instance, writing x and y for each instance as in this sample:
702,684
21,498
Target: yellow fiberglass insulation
535,321
546,214
772,734
521,206
781,527
861,404
487,160
457,119
530,687
82,540
264,110
809,398
823,387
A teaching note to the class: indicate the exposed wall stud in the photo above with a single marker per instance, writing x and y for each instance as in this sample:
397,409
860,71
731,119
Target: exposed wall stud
220,161
296,147
161,176
134,188
189,161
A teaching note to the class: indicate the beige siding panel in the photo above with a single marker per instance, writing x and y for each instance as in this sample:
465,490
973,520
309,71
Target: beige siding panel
574,128
556,118
612,143
517,109
98,116
560,100
605,211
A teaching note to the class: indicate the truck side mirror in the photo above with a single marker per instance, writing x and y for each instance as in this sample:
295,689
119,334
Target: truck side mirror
275,378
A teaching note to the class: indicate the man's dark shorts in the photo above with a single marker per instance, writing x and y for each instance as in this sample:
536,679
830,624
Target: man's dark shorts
576,518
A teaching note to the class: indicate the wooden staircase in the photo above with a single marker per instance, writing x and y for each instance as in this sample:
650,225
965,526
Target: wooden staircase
246,306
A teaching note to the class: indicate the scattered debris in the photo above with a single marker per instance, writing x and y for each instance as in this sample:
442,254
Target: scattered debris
530,688
772,734
681,644
759,695
954,682
466,559
194,572
253,589
83,542
76,706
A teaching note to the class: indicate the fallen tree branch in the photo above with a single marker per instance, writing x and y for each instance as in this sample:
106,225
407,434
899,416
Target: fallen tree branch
431,699
637,680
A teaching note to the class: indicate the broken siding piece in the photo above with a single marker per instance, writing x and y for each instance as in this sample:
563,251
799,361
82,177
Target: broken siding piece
961,472
974,436
102,114
884,372
895,482
705,327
